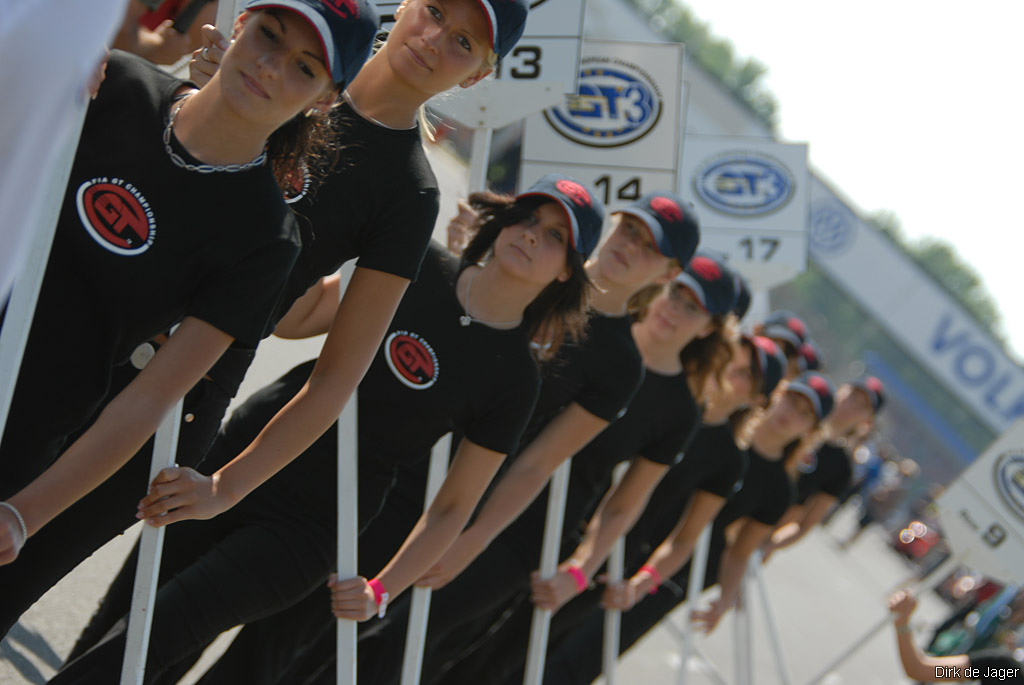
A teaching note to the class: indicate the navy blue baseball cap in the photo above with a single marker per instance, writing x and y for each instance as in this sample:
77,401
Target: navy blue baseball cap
711,281
506,20
742,305
583,209
346,29
809,356
817,389
770,360
671,221
873,388
783,325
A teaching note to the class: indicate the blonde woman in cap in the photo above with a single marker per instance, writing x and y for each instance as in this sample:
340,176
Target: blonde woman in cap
173,214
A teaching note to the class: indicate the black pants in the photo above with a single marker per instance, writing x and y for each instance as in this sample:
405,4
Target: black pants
576,658
258,558
298,645
108,510
265,554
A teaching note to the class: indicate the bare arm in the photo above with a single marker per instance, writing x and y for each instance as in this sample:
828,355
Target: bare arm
471,470
124,425
616,514
673,553
565,435
814,511
916,664
752,535
313,313
360,322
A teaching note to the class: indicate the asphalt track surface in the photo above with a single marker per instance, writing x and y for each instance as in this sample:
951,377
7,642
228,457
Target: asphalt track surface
824,598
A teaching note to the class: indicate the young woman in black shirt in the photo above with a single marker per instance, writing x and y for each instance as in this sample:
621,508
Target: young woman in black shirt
457,357
172,214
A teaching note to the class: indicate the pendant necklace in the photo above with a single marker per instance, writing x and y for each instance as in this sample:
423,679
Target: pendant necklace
466,319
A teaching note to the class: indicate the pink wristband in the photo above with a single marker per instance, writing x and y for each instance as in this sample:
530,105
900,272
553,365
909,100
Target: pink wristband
378,590
577,574
655,577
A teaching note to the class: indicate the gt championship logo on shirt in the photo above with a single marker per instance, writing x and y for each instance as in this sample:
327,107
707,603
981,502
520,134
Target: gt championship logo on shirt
411,359
116,215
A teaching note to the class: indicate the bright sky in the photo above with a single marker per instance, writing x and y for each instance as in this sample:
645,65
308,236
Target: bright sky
909,106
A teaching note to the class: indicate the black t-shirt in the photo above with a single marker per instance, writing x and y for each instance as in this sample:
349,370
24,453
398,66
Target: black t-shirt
766,493
713,463
658,426
997,667
142,242
430,376
829,471
378,203
601,373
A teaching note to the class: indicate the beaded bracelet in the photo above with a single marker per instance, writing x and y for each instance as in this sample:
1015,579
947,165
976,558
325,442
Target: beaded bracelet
17,515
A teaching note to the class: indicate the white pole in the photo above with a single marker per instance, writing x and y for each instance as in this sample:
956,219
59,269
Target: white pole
416,634
711,670
147,571
741,633
616,561
695,585
348,515
557,493
479,158
612,617
769,617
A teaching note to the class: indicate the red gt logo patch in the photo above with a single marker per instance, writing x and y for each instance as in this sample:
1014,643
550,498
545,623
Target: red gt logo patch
116,215
667,209
575,192
411,359
346,9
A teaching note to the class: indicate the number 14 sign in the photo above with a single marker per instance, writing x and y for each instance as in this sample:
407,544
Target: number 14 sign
621,130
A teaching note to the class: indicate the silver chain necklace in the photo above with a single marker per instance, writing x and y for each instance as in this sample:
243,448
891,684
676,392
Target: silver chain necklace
467,319
378,122
204,168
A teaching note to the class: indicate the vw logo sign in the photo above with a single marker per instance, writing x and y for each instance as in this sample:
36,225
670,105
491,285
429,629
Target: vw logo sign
833,229
1009,477
744,183
618,103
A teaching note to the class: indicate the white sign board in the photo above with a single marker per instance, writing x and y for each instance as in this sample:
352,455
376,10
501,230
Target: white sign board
983,511
752,196
621,131
915,311
549,50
